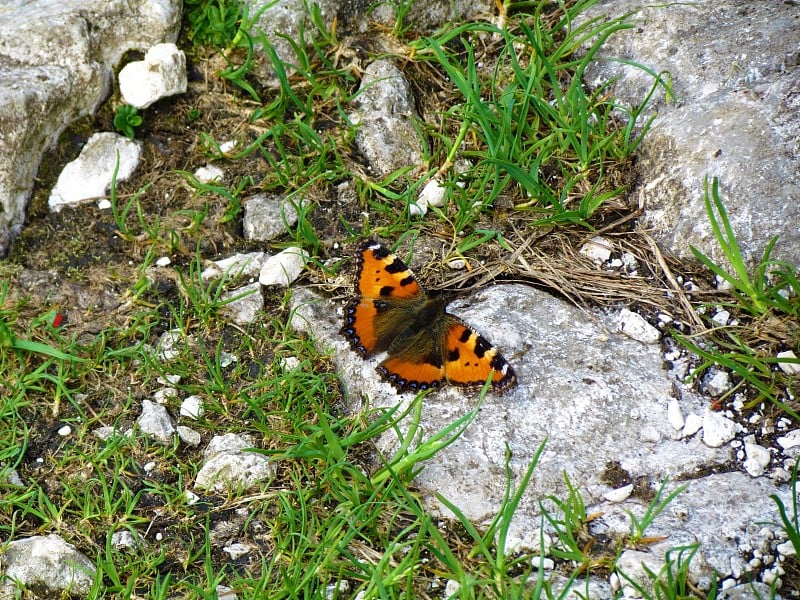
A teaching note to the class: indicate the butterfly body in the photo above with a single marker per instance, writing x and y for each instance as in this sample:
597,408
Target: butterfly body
425,344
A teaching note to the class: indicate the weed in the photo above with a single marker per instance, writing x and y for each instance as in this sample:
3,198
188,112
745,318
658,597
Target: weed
755,295
127,119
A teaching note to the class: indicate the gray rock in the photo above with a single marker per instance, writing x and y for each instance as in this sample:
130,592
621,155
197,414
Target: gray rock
188,435
227,466
50,562
596,397
386,133
735,115
58,58
156,422
243,304
281,20
267,216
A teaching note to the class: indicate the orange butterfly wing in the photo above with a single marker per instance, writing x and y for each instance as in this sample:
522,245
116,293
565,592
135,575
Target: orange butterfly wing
381,277
469,358
426,345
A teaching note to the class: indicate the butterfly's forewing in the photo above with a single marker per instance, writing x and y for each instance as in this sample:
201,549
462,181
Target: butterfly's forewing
382,275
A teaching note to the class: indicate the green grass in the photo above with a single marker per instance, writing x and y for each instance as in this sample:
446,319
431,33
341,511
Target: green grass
765,298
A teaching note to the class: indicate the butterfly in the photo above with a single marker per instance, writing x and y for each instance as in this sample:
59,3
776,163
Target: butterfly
426,345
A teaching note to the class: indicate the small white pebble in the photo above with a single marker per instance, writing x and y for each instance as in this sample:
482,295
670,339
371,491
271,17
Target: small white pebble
457,264
790,440
192,407
717,430
674,415
546,563
721,317
786,549
619,494
635,326
164,395
159,536
209,173
597,249
787,367
693,424
65,430
164,261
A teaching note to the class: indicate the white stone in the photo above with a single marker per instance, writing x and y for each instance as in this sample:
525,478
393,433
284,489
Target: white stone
243,305
717,382
289,363
266,216
227,465
597,249
632,563
431,195
167,344
457,264
246,265
757,459
64,431
619,494
635,326
162,73
226,593
123,539
163,261
164,395
787,367
721,317
236,550
451,588
717,430
546,563
674,415
209,173
192,407
283,268
790,440
786,548
89,176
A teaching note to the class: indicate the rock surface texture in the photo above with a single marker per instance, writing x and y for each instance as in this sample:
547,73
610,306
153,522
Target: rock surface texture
56,65
734,114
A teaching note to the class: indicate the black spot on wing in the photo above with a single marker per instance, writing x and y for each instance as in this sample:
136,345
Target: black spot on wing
482,346
397,266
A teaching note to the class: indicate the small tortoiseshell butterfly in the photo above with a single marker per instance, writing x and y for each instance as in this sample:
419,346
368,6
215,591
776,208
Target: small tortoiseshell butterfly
426,345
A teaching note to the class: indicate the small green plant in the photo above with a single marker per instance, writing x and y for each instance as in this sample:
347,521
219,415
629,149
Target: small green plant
672,582
127,119
638,526
770,294
753,294
213,22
